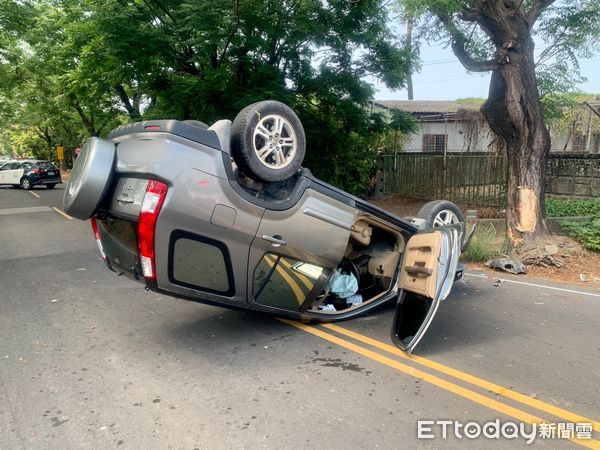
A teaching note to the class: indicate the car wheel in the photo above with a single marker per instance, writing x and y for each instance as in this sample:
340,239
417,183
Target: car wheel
26,183
440,213
268,141
90,178
50,186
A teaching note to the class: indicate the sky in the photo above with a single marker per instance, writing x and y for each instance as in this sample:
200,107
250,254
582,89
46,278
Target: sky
442,77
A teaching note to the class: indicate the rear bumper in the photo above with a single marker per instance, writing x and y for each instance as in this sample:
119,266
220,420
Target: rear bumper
119,257
39,181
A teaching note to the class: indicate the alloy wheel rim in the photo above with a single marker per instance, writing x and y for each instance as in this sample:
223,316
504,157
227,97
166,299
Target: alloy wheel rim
274,141
445,217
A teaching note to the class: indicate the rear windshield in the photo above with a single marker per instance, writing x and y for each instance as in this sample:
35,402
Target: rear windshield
45,165
122,231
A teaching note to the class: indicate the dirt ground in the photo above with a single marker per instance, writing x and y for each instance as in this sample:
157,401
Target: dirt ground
401,207
581,267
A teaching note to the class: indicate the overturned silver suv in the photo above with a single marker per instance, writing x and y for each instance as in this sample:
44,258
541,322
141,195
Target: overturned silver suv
226,215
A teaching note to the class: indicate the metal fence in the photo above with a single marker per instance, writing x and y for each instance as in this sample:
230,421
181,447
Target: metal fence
464,179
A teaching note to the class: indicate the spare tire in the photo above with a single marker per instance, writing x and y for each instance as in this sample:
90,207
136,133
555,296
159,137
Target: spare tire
439,213
268,141
90,178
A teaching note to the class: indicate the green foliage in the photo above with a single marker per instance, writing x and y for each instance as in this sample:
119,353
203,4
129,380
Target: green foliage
394,128
485,245
588,233
569,31
21,142
403,122
573,208
566,115
86,66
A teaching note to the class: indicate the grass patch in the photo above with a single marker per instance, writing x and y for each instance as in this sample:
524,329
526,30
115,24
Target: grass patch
485,245
588,233
573,208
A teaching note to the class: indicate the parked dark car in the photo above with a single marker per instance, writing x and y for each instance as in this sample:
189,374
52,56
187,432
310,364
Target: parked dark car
29,173
226,215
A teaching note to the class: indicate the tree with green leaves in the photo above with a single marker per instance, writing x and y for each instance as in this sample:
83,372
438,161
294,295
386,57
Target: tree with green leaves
91,63
500,37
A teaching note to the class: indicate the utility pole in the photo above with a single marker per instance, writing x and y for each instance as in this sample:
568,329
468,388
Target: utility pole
409,30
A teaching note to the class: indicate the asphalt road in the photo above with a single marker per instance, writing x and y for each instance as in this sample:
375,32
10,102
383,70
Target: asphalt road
91,360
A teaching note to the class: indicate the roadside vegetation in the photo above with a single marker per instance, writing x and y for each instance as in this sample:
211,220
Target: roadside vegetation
71,70
588,233
500,37
573,207
486,244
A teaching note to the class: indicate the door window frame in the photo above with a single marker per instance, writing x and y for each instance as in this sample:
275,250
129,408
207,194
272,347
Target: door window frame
181,234
310,296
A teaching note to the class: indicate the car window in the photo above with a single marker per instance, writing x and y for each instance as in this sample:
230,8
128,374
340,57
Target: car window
45,165
25,166
200,263
122,231
4,167
283,282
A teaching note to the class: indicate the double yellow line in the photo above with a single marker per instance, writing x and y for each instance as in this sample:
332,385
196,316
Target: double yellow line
286,273
469,394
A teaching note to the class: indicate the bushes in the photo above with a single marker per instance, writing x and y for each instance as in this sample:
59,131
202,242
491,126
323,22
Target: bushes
485,245
588,233
573,208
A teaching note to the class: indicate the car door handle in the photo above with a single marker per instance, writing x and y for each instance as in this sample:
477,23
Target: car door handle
419,270
274,240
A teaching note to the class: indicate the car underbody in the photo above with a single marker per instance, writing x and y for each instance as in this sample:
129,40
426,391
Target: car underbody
171,208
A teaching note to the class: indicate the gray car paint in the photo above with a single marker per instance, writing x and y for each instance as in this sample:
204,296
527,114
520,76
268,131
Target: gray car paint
89,179
204,199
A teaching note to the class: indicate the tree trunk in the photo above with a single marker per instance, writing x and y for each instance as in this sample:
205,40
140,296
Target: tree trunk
88,122
133,111
513,111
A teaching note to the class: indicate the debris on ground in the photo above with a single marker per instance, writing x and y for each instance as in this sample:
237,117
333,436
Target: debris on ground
559,258
588,278
550,254
507,264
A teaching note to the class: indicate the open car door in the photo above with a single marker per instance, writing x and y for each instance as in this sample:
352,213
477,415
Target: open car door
426,278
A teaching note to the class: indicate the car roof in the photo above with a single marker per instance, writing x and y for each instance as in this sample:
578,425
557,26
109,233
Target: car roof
31,161
34,161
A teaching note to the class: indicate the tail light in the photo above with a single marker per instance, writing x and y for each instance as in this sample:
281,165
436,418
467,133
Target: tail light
38,171
153,200
97,237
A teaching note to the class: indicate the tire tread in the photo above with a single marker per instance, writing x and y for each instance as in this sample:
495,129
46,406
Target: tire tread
241,142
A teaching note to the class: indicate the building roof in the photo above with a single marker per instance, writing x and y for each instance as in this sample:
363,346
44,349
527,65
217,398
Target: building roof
427,106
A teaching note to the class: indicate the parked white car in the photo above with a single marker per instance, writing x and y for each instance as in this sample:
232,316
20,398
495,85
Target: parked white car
29,173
